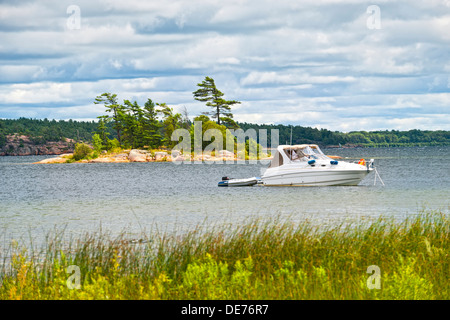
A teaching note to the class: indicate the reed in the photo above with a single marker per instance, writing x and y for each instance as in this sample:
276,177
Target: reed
259,259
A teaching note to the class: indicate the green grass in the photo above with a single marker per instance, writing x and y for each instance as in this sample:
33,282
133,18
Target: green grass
256,260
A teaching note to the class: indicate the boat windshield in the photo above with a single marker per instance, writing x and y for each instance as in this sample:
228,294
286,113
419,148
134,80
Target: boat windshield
298,153
305,153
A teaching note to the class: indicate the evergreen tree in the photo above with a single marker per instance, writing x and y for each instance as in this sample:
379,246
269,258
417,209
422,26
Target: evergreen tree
209,93
133,121
110,102
151,126
102,130
97,142
171,122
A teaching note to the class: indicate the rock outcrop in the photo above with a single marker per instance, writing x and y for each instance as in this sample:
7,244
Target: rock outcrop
20,145
59,159
160,156
136,155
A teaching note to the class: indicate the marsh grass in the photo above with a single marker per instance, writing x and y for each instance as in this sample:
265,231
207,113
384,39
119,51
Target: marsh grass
259,259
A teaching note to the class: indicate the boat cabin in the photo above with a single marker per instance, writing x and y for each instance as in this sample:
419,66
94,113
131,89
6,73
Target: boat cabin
297,153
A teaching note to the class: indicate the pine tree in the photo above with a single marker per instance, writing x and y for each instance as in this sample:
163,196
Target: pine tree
110,102
151,126
209,93
133,120
171,122
102,129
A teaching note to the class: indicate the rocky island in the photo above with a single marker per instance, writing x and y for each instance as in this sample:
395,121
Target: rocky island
137,155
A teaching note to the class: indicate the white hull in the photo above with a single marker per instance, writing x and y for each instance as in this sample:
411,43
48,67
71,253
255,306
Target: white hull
238,182
306,165
315,177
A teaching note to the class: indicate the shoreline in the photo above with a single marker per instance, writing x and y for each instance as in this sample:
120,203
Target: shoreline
62,153
136,155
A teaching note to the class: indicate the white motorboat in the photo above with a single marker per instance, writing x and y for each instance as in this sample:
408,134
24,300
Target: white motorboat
307,165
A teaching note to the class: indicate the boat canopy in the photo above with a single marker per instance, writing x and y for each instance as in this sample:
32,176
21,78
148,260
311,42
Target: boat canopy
297,153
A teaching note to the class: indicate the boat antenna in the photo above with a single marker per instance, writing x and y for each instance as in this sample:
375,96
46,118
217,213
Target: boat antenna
291,143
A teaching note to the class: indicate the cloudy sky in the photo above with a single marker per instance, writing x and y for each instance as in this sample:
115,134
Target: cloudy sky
341,65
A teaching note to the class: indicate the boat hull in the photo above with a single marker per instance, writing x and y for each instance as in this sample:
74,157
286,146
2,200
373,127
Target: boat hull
238,182
314,177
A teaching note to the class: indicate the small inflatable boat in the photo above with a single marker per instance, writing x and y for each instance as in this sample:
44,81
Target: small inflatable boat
230,182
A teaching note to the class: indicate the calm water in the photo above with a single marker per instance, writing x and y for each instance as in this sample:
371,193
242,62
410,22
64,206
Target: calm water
136,197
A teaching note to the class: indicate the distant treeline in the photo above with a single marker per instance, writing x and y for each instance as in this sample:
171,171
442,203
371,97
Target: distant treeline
42,131
324,137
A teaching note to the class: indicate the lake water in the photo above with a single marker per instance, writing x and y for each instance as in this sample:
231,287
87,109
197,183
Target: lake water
135,197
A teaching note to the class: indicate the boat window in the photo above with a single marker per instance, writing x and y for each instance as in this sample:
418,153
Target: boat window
317,150
298,155
314,153
308,151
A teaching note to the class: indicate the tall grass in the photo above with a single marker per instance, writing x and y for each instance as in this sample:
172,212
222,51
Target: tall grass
259,259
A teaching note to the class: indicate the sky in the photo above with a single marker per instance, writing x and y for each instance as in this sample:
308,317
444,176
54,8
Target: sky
340,65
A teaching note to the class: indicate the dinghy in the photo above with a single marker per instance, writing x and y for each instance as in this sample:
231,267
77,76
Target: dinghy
230,182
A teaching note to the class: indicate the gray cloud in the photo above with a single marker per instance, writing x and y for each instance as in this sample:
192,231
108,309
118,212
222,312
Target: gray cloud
313,63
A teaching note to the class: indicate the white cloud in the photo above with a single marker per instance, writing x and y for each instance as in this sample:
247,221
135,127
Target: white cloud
257,78
311,62
36,93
